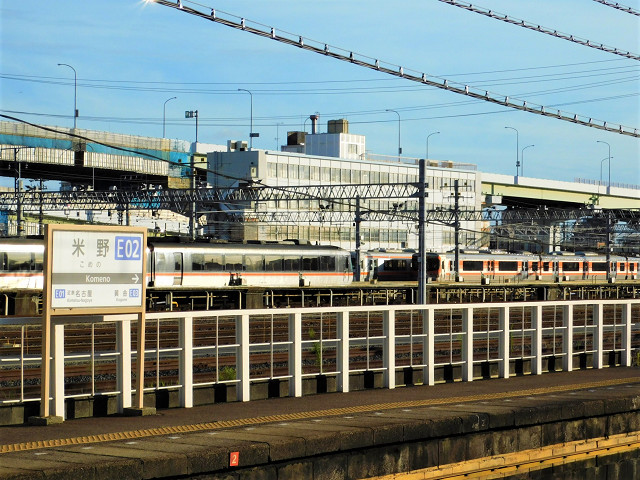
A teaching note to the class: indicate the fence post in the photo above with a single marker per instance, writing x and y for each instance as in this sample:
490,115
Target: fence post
467,344
186,361
57,369
504,341
123,364
389,356
428,355
598,320
567,339
342,333
242,340
295,355
536,340
627,322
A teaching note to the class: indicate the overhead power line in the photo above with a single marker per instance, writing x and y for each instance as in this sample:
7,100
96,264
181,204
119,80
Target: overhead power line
541,29
617,6
325,49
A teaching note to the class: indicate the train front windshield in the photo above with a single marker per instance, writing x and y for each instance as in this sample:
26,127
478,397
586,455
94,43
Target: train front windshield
433,265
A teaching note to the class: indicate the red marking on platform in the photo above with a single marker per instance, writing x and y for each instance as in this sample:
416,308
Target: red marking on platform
234,459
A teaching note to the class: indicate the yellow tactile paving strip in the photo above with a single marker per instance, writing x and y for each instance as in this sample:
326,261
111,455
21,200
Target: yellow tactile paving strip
288,417
525,461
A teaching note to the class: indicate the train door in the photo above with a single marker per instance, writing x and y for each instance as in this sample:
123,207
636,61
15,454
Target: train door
525,269
177,268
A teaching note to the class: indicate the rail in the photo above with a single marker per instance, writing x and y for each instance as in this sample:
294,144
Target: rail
186,351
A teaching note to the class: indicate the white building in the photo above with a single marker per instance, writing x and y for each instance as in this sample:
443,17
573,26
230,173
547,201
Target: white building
339,158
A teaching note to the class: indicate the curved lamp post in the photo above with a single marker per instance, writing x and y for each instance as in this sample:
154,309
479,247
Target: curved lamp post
399,147
434,133
164,113
517,150
75,92
522,159
251,134
609,157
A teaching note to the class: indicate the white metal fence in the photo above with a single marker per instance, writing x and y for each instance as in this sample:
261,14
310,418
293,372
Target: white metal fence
190,350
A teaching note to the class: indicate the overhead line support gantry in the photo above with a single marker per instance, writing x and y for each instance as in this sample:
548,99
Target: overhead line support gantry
399,71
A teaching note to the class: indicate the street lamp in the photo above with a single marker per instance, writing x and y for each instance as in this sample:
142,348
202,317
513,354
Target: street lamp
399,147
278,135
522,159
75,92
164,113
434,133
251,132
609,157
601,162
517,150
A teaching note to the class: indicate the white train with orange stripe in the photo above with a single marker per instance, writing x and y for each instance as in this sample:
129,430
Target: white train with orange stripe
476,267
201,265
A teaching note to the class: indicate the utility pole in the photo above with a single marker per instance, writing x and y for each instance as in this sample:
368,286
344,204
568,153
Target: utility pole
358,245
192,217
456,225
41,211
422,235
18,191
610,279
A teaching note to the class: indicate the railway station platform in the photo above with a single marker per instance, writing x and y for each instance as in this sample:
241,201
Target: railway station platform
557,425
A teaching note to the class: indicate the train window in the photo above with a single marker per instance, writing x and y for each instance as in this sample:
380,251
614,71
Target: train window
197,262
3,261
599,266
632,267
570,266
398,264
621,267
253,263
311,263
472,266
327,264
213,262
20,261
433,263
233,263
177,262
343,264
273,263
507,266
292,264
39,262
534,266
160,262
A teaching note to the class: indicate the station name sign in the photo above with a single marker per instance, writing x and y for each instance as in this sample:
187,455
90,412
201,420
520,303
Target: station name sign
97,268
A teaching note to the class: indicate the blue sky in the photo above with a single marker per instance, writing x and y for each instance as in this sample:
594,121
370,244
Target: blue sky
130,57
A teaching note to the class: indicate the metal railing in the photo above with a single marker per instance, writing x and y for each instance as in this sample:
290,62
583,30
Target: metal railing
190,350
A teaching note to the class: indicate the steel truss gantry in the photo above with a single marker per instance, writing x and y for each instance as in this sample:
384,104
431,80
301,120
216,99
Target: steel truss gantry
250,202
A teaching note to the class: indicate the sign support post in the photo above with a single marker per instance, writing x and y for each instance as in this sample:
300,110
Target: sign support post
91,270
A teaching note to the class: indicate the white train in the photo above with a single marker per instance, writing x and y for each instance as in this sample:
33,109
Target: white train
201,265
